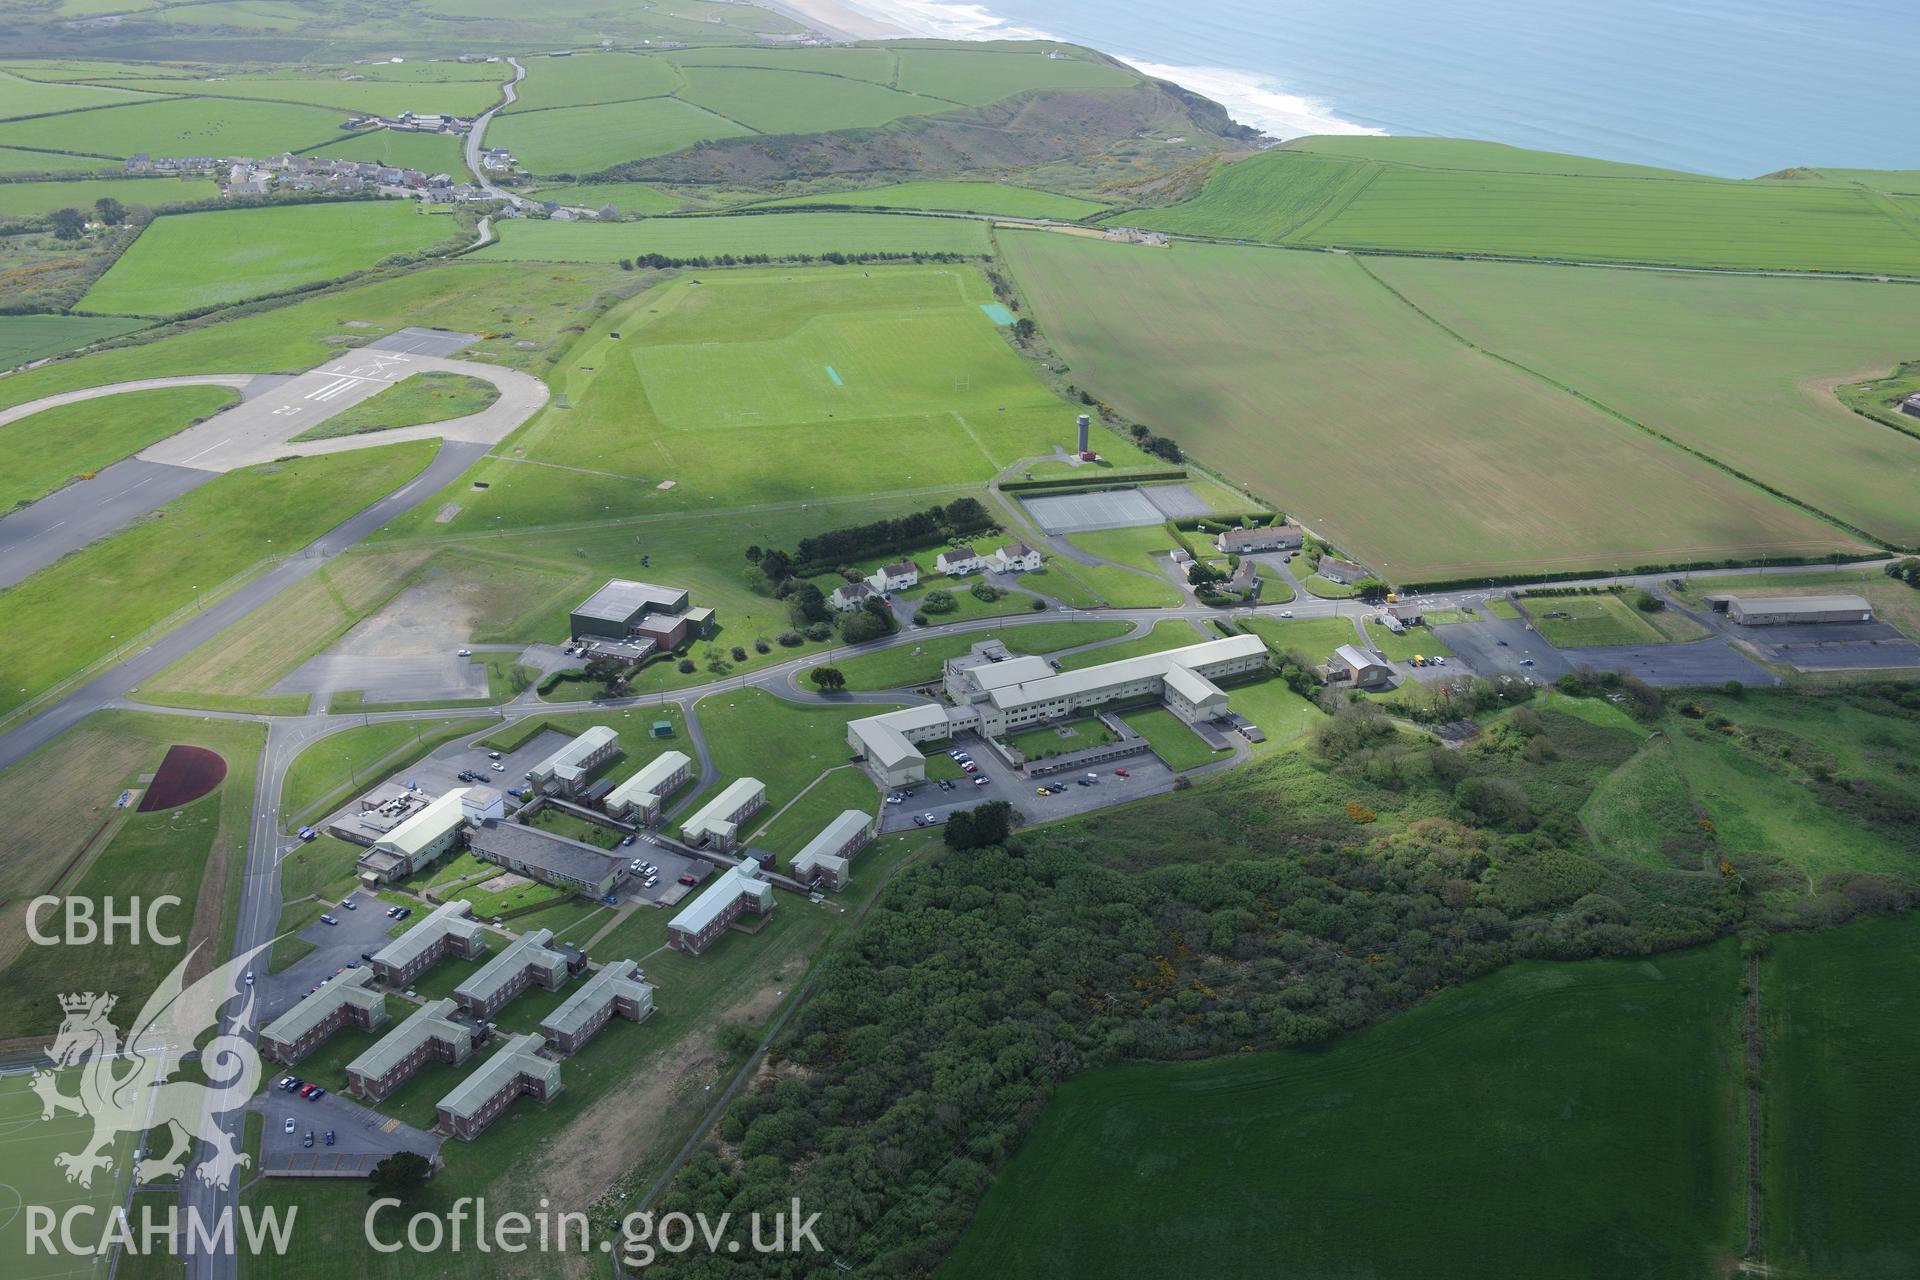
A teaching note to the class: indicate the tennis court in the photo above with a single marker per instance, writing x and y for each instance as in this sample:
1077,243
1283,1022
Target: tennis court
1089,512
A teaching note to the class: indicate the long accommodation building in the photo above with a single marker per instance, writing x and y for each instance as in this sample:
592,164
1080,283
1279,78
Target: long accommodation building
996,695
429,835
824,859
516,1070
449,929
428,1034
638,799
734,893
547,857
348,1000
717,824
619,988
566,771
527,960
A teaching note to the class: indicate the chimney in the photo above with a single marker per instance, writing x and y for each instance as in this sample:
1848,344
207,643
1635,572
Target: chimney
1086,421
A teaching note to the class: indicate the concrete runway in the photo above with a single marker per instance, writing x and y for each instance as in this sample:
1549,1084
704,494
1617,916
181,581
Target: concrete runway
36,536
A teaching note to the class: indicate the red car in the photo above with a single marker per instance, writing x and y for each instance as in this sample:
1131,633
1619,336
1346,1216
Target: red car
689,878
1122,773
306,1090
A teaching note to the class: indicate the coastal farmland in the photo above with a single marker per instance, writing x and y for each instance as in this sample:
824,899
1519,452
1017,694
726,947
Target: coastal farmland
576,140
956,197
1303,380
32,199
179,127
186,262
1341,1147
34,337
1741,369
777,235
1424,196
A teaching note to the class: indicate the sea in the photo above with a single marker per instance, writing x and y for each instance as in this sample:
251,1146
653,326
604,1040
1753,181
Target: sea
1732,88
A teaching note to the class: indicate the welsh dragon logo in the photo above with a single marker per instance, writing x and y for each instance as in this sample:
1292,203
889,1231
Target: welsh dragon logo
124,1085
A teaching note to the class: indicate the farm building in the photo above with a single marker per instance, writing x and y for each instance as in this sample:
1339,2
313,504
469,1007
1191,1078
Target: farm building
1344,572
1354,665
347,1000
1015,557
516,1070
1279,537
850,596
527,960
1781,611
894,577
717,824
566,771
638,798
956,561
428,835
449,928
995,695
734,893
617,609
824,859
619,988
1911,405
546,857
430,1032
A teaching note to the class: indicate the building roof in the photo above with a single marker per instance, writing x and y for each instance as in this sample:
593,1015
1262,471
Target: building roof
1195,689
532,847
431,1021
901,569
566,762
652,777
1801,604
496,1073
352,987
621,599
528,949
1016,551
719,811
426,826
730,884
1338,565
883,737
620,977
961,552
996,675
1356,658
448,918
832,837
1071,684
852,591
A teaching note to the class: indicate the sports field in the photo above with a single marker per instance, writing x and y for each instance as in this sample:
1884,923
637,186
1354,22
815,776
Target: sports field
958,197
778,235
1432,196
1579,622
28,1148
186,262
1304,381
1478,1134
1741,369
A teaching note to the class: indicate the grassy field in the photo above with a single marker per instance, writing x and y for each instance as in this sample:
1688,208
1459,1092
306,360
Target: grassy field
428,152
93,434
784,744
86,848
100,601
179,127
1402,647
906,665
958,197
31,199
28,1146
412,401
799,102
1170,738
35,337
627,197
588,80
22,97
1579,622
1740,369
979,74
777,235
359,757
1060,738
1341,1147
1171,634
1315,637
583,140
1450,197
1265,358
1842,1010
325,87
191,261
14,160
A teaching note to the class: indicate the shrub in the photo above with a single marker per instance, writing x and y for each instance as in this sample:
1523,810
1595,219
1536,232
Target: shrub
1037,605
791,639
686,667
938,601
820,631
984,590
761,646
739,653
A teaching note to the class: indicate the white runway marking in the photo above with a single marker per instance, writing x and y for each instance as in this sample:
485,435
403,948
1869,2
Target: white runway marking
209,449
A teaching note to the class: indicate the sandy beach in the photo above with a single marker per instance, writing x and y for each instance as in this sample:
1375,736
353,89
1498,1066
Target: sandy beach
833,19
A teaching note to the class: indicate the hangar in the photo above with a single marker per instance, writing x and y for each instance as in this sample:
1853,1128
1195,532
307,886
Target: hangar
1781,611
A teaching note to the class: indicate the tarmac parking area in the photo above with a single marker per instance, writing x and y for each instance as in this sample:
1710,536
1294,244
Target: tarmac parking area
1149,776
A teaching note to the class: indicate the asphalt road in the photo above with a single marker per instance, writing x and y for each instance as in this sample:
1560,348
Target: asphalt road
70,518
477,134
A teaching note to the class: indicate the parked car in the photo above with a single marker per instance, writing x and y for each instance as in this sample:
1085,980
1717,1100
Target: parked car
284,1082
308,833
309,1141
649,882
689,878
329,1137
1526,662
306,1090
919,821
626,842
289,1125
329,919
931,819
1286,613
1041,791
981,782
403,913
463,653
493,755
349,904
497,767
1122,773
610,900
317,1094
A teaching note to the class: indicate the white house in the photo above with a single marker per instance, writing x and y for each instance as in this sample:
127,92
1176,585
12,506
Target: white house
1015,557
955,561
853,595
894,577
